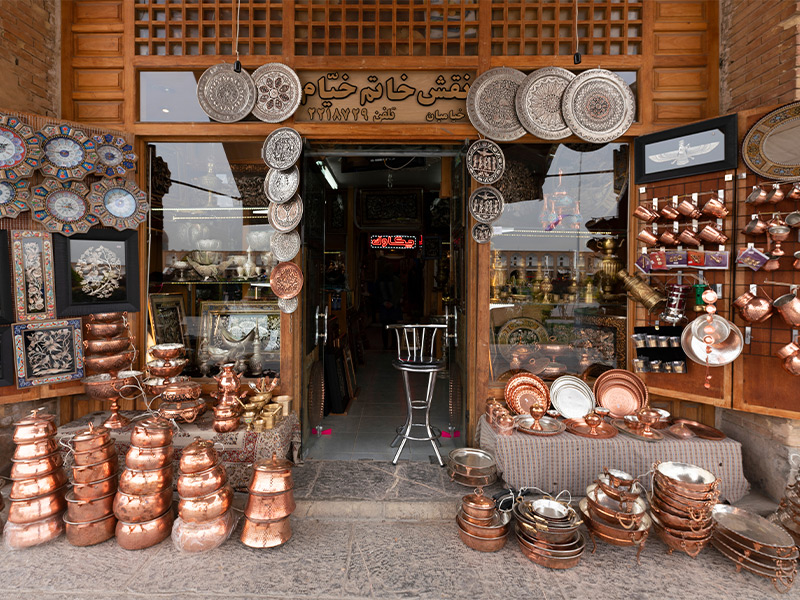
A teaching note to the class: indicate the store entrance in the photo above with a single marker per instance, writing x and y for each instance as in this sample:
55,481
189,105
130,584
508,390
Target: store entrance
384,241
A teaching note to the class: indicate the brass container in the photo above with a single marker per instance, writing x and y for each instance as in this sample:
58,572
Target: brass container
95,472
89,510
35,450
18,536
95,489
36,467
205,508
36,509
34,428
89,533
151,434
199,537
109,317
145,459
137,536
112,363
266,534
105,331
105,347
91,438
202,483
132,508
96,455
37,486
271,475
641,292
139,482
270,507
198,456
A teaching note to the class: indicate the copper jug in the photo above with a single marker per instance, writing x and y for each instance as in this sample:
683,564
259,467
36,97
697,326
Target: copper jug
689,237
648,237
775,195
716,208
668,238
670,212
688,209
755,227
757,196
712,235
227,379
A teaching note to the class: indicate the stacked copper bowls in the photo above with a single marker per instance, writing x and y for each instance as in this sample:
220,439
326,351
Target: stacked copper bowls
547,532
205,517
680,507
143,503
38,484
480,525
472,467
271,501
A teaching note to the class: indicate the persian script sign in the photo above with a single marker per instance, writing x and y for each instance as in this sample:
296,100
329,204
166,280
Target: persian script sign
393,96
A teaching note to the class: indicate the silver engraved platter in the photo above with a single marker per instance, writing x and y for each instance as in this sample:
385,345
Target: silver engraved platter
285,246
288,305
14,196
224,94
278,92
285,217
486,162
491,104
481,233
281,185
282,148
538,103
598,106
486,204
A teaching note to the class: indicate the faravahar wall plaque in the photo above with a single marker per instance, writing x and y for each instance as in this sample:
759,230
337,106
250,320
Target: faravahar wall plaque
486,162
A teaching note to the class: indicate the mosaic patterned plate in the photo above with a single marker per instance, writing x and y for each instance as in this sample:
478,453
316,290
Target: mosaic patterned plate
482,233
280,186
486,204
61,207
282,148
119,203
20,149
14,196
285,246
286,280
69,154
770,147
225,95
491,104
486,162
278,92
538,103
115,156
598,106
285,217
288,305
520,331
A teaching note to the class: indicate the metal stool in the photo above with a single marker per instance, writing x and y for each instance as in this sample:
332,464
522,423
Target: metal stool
417,353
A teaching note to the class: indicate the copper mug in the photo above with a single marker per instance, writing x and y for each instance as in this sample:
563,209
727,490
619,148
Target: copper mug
788,306
775,195
716,208
757,196
688,209
670,212
793,219
755,227
794,193
689,237
646,214
752,308
648,237
792,365
796,263
773,264
712,235
790,349
668,238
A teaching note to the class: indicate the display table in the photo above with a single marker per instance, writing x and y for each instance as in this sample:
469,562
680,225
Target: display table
239,448
570,462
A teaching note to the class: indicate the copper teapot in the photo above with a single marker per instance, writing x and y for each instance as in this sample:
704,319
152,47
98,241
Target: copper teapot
227,379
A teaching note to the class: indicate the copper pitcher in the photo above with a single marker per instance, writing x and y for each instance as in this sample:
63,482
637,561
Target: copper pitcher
712,235
688,209
755,227
716,208
752,308
645,213
796,263
788,306
775,195
228,380
773,264
689,237
757,196
794,193
668,238
648,237
790,349
792,365
670,213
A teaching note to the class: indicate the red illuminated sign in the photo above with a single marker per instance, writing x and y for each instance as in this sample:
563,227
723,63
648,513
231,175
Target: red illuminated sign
400,241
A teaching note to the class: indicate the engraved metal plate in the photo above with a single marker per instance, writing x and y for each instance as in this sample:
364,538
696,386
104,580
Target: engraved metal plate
598,106
491,104
288,305
119,203
481,233
285,217
224,94
486,162
280,186
285,246
282,148
14,196
278,92
486,204
62,207
286,280
538,103
20,149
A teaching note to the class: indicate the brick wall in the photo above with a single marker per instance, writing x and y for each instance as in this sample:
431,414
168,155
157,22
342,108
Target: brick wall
30,56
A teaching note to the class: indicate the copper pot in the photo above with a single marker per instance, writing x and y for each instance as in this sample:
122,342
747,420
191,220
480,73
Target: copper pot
225,411
199,537
89,510
482,544
647,237
198,456
18,536
712,235
36,467
105,331
34,428
96,455
755,227
794,193
689,237
183,410
497,527
226,425
269,507
137,536
104,347
37,486
193,485
788,306
266,534
138,508
102,386
90,533
688,209
35,509
145,459
776,221
95,489
752,308
668,238
793,219
155,385
151,434
108,317
204,508
182,392
96,472
167,351
646,214
133,481
477,505
90,438
112,363
161,368
670,212
35,450
716,208
271,475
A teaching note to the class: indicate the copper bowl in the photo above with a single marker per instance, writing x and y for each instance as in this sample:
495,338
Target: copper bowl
477,505
104,347
137,536
271,475
545,560
134,481
90,438
151,434
89,533
37,486
35,450
161,368
36,467
89,510
270,507
25,535
34,428
183,391
155,385
198,456
145,459
266,534
674,521
112,363
102,386
105,331
95,489
225,411
183,410
167,351
686,476
199,537
226,425
194,485
690,547
619,479
497,527
204,508
474,520
482,544
96,472
96,455
108,317
683,494
36,509
135,508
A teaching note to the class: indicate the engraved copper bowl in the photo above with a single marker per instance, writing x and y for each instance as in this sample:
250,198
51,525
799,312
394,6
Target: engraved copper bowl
91,438
141,482
684,475
102,386
477,505
144,458
89,533
161,368
199,537
37,486
112,363
167,351
198,456
105,331
498,526
266,534
89,510
226,425
95,455
108,317
24,535
35,467
204,508
182,410
29,510
95,489
35,450
137,536
34,428
674,542
138,508
155,385
671,488
107,346
270,507
151,434
626,515
620,535
182,392
202,483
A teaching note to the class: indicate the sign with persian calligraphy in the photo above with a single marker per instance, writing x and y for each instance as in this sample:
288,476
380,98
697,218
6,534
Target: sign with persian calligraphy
384,96
399,241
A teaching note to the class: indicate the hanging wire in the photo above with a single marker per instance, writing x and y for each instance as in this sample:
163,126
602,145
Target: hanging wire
576,57
237,65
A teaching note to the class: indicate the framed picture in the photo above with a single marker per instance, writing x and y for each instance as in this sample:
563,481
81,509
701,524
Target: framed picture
432,247
399,208
703,147
97,272
168,319
229,330
6,297
48,352
349,372
34,288
6,356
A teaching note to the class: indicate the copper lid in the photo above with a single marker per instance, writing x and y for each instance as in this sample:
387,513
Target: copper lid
273,465
36,417
198,446
478,500
90,433
154,423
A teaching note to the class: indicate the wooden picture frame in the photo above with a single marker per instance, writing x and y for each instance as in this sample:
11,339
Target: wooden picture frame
395,208
34,286
167,316
6,297
6,356
349,372
48,352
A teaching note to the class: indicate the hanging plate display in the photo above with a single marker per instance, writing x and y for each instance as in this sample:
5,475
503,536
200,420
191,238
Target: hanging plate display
278,92
14,196
285,217
491,104
225,95
598,106
286,280
118,202
288,305
486,204
520,331
481,233
285,246
62,207
115,156
770,147
282,148
280,186
20,149
538,103
69,154
486,162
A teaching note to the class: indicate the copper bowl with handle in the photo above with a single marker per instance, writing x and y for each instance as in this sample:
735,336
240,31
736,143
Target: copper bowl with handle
497,527
266,534
95,455
35,450
33,428
97,471
108,317
102,386
226,425
90,438
162,368
198,456
138,508
37,486
482,544
202,483
144,458
155,385
204,508
477,505
89,533
270,507
25,535
36,467
182,391
112,363
139,482
151,434
167,351
182,410
271,475
35,509
105,331
137,536
95,489
107,346
89,510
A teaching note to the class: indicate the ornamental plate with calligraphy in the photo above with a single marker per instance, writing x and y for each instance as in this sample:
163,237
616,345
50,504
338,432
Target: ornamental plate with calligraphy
486,204
20,149
286,280
288,305
280,186
491,104
115,156
278,92
486,162
69,153
225,95
538,103
14,196
285,217
285,246
481,233
282,148
598,106
119,203
62,207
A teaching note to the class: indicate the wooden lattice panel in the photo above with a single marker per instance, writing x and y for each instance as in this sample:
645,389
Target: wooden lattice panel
548,27
208,27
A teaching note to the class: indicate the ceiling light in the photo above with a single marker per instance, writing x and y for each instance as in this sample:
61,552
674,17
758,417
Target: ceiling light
164,110
326,173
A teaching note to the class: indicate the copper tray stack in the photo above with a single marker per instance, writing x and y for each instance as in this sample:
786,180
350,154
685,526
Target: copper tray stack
788,513
480,525
38,484
472,467
269,505
143,503
547,532
205,517
90,505
683,496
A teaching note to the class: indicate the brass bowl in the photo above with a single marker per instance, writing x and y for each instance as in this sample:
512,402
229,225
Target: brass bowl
152,481
36,509
96,455
34,428
108,317
482,544
89,533
266,534
202,483
97,471
112,363
35,450
133,508
199,537
205,508
198,456
144,458
25,535
167,351
90,438
36,467
137,536
160,368
270,507
105,331
89,510
107,346
151,434
37,486
95,489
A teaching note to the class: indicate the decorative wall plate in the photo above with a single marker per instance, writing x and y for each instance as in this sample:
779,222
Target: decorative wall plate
62,207
115,156
770,147
14,196
20,149
486,162
286,280
288,305
481,233
69,154
48,352
280,186
598,106
282,148
278,92
118,202
486,204
285,246
520,331
285,217
538,103
225,95
491,104
34,288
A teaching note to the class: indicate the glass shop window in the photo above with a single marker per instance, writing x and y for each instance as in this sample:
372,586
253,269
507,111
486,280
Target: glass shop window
566,214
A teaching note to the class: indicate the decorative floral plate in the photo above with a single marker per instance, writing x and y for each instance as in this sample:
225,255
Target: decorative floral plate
20,149
61,207
69,154
281,186
115,156
598,106
285,217
118,202
286,280
225,95
538,103
491,104
278,92
14,196
285,246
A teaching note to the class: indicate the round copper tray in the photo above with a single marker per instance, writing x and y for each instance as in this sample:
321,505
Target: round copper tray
550,426
520,380
579,427
526,396
621,392
654,436
702,431
286,280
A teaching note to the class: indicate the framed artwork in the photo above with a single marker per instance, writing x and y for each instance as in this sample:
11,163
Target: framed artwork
34,288
6,356
349,372
400,208
432,247
6,297
167,319
48,352
703,147
229,328
97,272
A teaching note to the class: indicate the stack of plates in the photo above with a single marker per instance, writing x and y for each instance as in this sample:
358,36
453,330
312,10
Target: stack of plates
572,398
621,392
480,525
547,532
471,466
524,390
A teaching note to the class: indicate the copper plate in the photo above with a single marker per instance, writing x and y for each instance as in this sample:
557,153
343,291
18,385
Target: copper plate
620,399
572,398
286,280
524,379
550,426
285,217
702,431
527,396
579,427
654,436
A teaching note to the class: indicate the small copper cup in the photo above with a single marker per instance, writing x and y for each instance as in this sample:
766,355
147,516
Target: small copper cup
775,195
670,212
715,207
646,214
755,227
757,196
689,237
668,238
712,235
648,237
788,306
688,209
796,263
773,264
